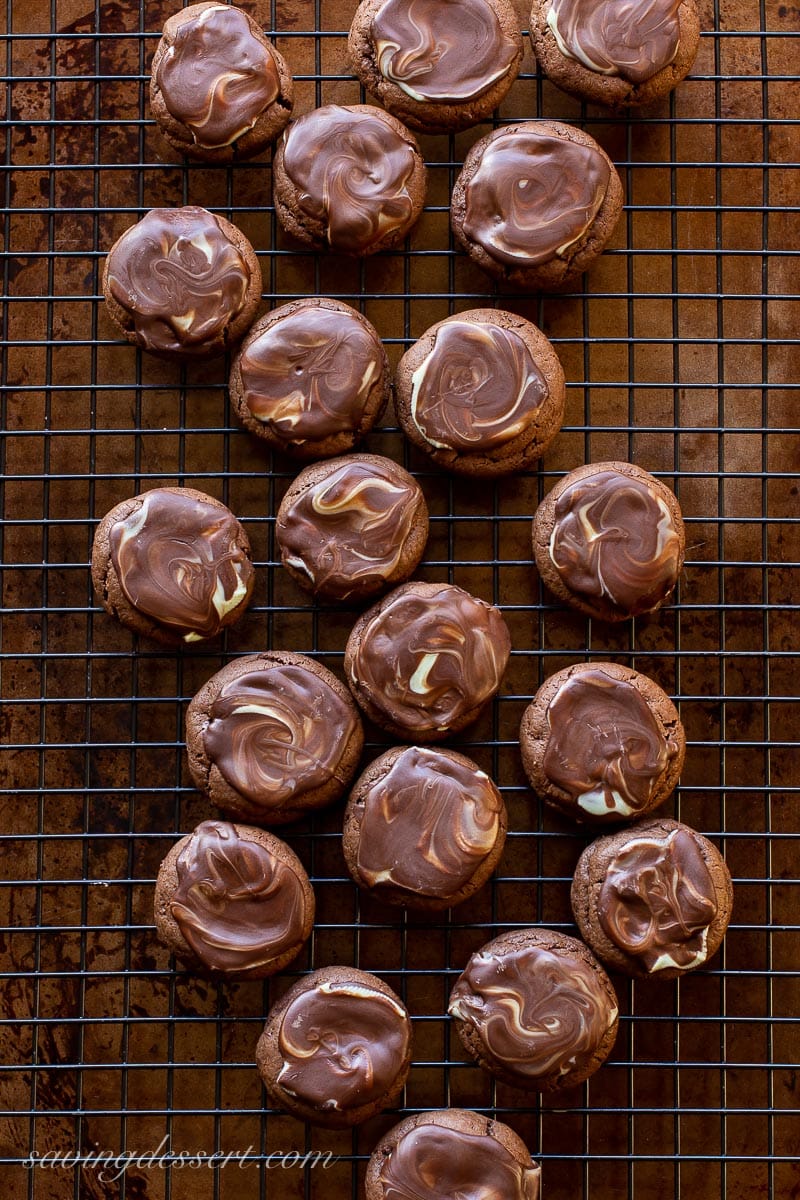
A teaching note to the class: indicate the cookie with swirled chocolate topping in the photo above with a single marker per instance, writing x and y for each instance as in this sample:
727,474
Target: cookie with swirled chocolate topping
609,540
233,901
620,53
437,65
426,660
336,1048
349,179
218,89
272,737
182,283
653,900
535,204
536,1009
468,1155
602,743
481,393
424,828
173,564
311,378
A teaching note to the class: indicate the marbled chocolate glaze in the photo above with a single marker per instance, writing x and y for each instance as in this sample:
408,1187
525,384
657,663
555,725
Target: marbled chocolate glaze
434,1160
632,38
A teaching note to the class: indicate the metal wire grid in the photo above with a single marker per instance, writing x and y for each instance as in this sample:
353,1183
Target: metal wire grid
679,356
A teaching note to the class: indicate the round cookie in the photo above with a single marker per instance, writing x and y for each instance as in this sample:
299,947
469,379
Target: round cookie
437,65
311,378
272,737
609,540
612,53
233,901
218,89
424,828
481,393
173,564
425,660
468,1155
336,1049
182,283
350,528
348,179
653,900
602,743
536,1009
535,204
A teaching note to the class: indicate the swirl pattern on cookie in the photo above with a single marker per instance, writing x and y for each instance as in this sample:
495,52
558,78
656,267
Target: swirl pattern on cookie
464,1165
617,37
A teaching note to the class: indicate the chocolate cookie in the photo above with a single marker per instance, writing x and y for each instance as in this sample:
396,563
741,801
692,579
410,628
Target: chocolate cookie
481,393
182,283
425,660
348,179
218,90
423,828
350,528
438,65
653,900
614,52
536,1010
601,742
311,378
234,901
173,564
609,540
461,1153
535,204
273,736
336,1048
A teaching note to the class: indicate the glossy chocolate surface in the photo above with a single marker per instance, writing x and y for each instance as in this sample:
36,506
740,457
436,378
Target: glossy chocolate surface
434,1160
632,38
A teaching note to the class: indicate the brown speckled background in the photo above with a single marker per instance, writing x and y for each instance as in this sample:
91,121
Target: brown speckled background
681,354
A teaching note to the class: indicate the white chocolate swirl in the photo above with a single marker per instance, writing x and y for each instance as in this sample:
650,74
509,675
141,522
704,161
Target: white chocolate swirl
632,38
459,1165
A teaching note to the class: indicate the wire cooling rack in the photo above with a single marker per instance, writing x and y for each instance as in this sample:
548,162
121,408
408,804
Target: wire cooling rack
679,356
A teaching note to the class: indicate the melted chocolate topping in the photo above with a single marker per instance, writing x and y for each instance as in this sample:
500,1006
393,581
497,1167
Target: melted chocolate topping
216,77
440,51
632,38
427,660
534,195
457,1164
178,560
427,825
179,278
657,901
236,905
352,171
310,374
614,538
342,1044
536,1012
605,749
277,733
477,388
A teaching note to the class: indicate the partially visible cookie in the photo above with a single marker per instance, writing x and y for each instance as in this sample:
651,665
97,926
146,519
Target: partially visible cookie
336,1049
536,1009
218,89
349,179
424,828
653,900
535,204
173,564
424,661
481,393
466,1154
232,900
620,55
182,283
609,540
602,743
437,65
311,378
272,737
